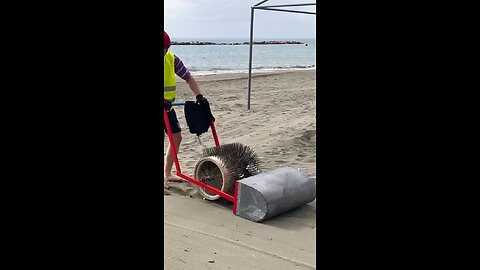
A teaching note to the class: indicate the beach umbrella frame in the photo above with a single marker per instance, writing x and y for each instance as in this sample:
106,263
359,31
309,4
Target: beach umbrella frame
269,8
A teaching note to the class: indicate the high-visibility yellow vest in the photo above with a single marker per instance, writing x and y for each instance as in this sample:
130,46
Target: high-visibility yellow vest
169,82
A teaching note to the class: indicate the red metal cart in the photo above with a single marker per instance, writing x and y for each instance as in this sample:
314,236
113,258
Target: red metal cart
189,178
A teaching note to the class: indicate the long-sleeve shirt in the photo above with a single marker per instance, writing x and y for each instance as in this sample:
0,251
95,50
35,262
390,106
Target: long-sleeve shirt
180,69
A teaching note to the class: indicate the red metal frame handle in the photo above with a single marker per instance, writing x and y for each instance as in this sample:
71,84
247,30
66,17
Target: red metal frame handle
177,163
170,139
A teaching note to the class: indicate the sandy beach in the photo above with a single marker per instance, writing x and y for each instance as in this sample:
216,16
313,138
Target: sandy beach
281,128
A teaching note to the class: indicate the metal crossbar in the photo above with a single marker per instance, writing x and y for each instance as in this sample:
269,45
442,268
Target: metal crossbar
271,8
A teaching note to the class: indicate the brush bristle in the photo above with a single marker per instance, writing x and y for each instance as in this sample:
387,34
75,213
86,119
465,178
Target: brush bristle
240,160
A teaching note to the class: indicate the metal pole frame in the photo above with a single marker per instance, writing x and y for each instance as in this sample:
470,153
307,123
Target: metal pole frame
271,8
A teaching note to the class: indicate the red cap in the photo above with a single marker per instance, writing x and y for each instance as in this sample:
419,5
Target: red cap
166,40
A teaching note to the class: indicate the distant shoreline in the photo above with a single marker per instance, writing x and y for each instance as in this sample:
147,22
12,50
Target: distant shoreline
254,71
269,42
202,77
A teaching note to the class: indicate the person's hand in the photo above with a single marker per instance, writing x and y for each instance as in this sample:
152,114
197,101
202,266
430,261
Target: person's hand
201,99
203,102
167,104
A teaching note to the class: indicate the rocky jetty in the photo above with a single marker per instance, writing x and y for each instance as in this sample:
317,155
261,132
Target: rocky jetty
282,42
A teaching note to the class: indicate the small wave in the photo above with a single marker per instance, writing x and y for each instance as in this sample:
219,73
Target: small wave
285,67
213,71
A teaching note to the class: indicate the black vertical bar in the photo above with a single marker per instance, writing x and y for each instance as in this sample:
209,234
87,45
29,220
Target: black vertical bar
250,59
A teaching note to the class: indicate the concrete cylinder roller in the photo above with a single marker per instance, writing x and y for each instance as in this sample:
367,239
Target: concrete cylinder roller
268,194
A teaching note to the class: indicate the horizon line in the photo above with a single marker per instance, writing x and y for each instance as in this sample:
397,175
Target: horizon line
247,38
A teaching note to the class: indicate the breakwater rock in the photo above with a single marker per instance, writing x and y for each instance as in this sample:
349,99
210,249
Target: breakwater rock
235,43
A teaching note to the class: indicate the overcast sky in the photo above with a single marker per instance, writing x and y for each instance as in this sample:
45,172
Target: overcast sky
205,19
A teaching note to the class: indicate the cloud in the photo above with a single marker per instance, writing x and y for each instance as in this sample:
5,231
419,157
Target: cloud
221,18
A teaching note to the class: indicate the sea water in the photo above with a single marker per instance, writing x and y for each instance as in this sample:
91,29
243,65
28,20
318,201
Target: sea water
215,59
